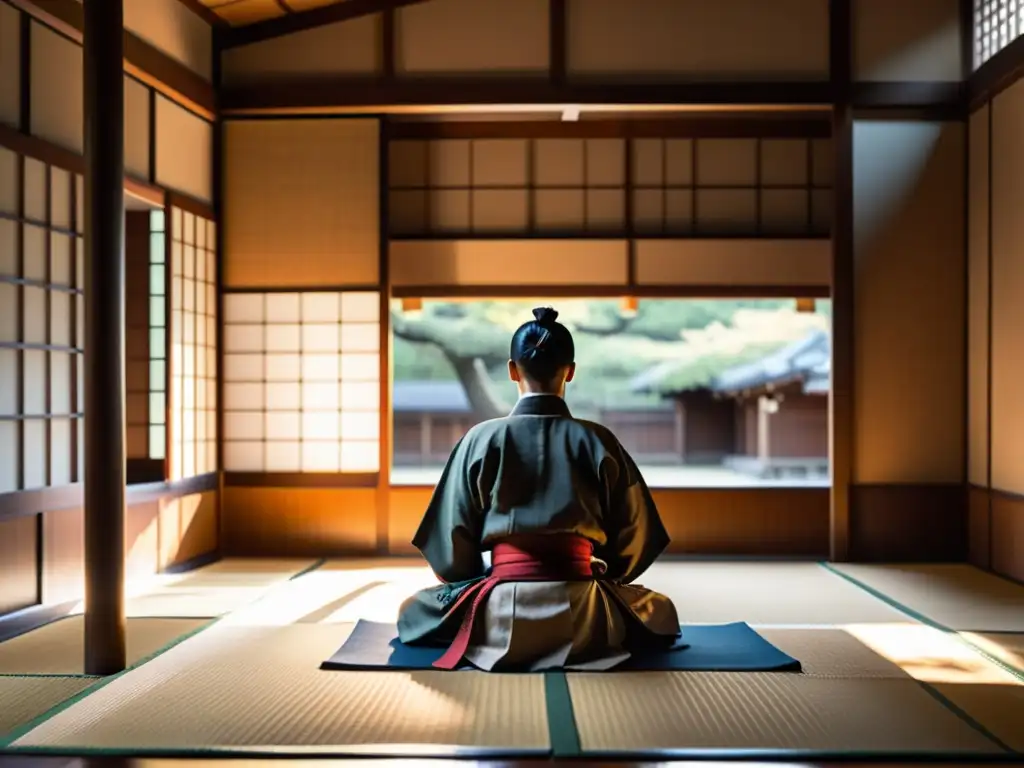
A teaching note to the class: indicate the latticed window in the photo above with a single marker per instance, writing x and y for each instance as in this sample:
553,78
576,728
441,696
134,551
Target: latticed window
997,23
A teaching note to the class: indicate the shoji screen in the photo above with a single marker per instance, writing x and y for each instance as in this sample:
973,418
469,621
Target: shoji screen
578,187
997,23
157,278
146,338
41,328
193,340
302,382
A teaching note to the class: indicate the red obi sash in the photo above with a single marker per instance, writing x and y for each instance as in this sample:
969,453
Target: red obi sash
551,557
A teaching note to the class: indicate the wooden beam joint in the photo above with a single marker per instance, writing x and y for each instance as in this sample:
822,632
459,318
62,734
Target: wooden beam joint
316,17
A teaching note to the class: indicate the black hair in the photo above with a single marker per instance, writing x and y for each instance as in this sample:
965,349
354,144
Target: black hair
542,346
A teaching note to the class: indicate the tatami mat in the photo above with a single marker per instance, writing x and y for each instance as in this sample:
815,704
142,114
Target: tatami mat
207,603
373,590
956,596
22,699
215,590
233,686
393,564
832,653
1005,646
59,648
709,711
757,593
764,593
1000,708
243,572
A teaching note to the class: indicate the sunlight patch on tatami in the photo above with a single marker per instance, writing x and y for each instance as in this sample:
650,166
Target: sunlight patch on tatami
207,592
931,655
336,596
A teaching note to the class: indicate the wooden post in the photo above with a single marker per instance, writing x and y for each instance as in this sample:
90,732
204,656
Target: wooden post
104,337
426,439
680,429
763,426
842,396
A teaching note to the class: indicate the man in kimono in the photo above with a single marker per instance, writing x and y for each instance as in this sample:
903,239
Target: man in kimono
570,524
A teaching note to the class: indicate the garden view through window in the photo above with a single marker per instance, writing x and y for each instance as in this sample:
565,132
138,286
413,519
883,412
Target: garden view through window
701,392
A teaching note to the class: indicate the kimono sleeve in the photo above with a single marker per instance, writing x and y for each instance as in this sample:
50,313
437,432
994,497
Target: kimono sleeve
449,534
636,535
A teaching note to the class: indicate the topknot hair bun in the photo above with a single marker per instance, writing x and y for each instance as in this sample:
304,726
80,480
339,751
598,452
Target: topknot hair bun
545,315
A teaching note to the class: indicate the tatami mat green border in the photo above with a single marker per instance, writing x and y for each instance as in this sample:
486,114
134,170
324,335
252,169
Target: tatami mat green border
927,620
945,701
563,734
7,739
932,690
78,675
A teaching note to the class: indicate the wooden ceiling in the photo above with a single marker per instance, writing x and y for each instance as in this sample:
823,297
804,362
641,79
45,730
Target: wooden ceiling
239,13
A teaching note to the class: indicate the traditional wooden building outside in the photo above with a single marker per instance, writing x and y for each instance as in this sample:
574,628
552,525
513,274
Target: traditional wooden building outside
766,418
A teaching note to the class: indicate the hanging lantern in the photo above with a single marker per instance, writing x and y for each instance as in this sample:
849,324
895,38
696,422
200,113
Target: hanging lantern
412,307
629,306
806,305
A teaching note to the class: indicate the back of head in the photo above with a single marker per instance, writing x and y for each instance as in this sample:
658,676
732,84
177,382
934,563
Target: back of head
542,347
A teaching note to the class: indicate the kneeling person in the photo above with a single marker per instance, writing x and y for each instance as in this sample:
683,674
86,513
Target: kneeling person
570,524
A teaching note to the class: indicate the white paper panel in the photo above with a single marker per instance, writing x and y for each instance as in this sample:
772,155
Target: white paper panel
193,360
184,150
136,128
57,89
10,196
244,308
304,383
9,456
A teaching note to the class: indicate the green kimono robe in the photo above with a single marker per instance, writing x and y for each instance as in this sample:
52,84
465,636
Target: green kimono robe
540,471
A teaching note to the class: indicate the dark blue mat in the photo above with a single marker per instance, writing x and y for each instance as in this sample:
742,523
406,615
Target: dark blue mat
717,648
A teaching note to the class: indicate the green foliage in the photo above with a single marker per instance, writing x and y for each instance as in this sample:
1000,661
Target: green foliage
610,350
667,318
703,370
419,362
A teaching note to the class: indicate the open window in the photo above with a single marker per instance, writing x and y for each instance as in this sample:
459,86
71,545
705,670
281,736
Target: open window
702,392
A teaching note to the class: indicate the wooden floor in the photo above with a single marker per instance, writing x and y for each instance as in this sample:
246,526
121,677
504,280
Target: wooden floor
900,665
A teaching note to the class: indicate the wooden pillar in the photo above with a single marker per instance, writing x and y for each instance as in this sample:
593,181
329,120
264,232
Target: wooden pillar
104,337
763,430
426,439
841,416
680,429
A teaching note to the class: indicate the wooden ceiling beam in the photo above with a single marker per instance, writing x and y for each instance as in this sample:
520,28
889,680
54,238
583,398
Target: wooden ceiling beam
302,20
316,96
205,13
141,60
756,125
